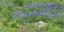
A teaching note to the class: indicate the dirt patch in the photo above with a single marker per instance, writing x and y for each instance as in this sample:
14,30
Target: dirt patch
0,23
21,29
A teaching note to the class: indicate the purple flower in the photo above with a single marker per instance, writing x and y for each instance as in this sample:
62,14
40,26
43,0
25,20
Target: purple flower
19,13
52,17
27,6
25,15
42,9
51,12
31,13
58,15
51,5
14,16
44,14
15,5
40,4
38,13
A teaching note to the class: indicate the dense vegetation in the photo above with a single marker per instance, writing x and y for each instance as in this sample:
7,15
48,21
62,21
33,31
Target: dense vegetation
16,15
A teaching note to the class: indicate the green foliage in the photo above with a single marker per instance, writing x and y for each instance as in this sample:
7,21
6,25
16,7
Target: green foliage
19,2
7,29
56,25
5,23
59,22
52,28
13,24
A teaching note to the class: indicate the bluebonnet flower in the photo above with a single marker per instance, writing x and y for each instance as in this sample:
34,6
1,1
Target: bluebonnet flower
33,5
30,14
58,5
16,10
44,11
43,14
15,4
52,16
38,13
4,1
40,5
25,15
14,16
51,5
10,4
58,15
62,10
26,6
49,10
20,13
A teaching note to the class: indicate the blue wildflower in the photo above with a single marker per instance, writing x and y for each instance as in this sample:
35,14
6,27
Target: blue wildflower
19,13
38,13
31,13
14,16
51,5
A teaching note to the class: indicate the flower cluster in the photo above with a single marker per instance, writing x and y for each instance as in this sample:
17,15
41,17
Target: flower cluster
55,10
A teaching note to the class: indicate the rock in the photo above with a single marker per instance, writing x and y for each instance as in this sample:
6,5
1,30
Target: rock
40,23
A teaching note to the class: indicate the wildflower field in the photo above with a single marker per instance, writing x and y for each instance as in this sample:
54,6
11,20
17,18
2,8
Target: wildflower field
26,15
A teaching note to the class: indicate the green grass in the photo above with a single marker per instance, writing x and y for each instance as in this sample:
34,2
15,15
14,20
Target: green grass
56,25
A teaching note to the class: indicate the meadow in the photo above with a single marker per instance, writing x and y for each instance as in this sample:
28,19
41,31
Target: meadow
20,15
